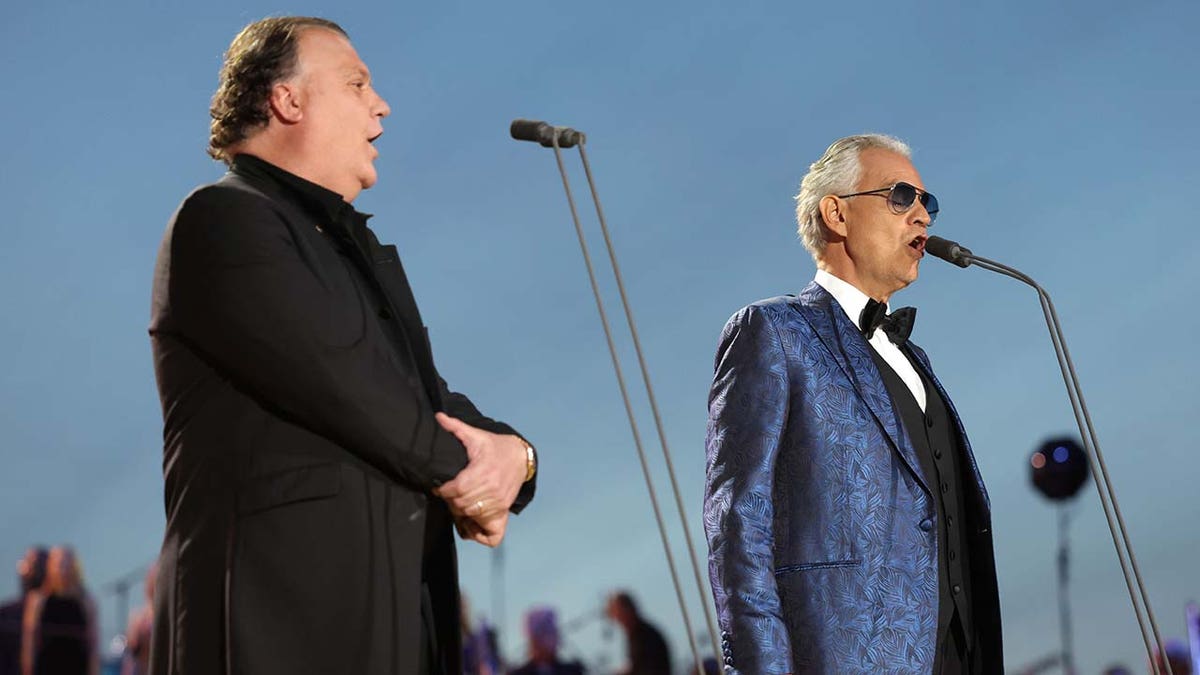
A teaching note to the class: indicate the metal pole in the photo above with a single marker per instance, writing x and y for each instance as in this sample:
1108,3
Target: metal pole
1064,600
637,438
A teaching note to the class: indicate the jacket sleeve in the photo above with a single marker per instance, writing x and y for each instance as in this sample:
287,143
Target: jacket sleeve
747,411
244,296
458,405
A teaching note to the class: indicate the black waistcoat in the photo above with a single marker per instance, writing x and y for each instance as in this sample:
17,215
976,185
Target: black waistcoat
940,455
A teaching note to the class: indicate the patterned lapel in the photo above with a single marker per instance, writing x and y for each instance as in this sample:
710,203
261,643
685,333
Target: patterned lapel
849,349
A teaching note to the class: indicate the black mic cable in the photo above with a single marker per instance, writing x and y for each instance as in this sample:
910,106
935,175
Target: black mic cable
564,137
957,254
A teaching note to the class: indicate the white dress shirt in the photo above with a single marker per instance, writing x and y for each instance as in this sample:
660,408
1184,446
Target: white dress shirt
852,302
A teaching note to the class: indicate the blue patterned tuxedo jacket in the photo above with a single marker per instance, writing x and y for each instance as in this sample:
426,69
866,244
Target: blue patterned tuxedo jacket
822,544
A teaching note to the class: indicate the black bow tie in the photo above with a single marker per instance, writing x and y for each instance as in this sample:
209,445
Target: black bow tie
898,325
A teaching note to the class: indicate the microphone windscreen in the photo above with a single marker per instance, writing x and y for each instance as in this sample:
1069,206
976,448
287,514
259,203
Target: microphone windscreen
531,130
947,250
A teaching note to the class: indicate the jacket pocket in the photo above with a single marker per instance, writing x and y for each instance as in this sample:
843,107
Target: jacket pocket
318,481
803,567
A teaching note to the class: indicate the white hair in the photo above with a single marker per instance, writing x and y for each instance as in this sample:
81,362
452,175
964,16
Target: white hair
837,172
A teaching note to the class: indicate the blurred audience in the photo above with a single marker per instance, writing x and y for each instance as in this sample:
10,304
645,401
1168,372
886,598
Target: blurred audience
51,628
136,660
1178,654
481,651
31,574
541,631
648,651
59,627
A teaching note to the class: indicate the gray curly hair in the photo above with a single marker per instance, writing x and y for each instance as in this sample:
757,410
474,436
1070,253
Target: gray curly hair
836,172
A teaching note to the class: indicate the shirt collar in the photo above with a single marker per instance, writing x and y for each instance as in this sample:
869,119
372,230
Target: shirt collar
318,200
847,295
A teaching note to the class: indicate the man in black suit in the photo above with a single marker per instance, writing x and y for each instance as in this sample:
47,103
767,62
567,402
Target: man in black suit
314,459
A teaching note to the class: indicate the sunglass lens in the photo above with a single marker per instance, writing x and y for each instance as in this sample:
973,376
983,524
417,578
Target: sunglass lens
902,196
931,205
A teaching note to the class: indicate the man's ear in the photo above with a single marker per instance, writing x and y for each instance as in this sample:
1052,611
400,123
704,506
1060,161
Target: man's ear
831,212
286,102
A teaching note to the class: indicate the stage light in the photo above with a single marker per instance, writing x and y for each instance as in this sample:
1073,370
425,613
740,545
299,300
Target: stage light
1061,478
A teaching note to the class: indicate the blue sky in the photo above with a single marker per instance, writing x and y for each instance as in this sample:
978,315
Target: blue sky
1059,137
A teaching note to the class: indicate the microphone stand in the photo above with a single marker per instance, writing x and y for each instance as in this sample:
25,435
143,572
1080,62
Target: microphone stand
1064,600
558,138
120,588
963,257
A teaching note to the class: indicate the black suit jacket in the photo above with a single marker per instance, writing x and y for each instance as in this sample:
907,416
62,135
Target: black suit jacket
300,445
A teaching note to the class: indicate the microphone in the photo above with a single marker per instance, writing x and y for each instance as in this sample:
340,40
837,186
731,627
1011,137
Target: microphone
544,133
957,254
950,251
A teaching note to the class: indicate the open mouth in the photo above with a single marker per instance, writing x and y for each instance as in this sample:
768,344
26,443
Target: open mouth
918,243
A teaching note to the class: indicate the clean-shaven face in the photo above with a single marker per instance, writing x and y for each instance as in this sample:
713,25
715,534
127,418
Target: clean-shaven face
885,248
342,112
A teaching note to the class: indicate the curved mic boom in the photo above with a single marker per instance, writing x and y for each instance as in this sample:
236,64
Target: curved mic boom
955,253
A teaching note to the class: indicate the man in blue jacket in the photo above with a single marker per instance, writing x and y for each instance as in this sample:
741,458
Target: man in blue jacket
849,530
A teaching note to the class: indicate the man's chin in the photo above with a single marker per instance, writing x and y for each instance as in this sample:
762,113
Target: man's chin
369,179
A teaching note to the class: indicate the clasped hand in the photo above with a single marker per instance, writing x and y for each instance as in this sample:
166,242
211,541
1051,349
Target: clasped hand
481,494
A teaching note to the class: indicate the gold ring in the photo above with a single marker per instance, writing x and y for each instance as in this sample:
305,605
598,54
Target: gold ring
479,507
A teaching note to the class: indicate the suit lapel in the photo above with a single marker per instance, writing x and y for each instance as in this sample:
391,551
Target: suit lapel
849,349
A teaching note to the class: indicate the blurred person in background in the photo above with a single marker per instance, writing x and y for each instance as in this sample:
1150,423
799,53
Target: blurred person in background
60,623
31,574
136,660
481,651
1178,654
647,649
541,631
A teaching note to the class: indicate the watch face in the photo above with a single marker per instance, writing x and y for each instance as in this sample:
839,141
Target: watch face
530,462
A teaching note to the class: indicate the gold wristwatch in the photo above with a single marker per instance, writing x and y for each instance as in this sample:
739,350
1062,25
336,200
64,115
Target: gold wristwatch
530,460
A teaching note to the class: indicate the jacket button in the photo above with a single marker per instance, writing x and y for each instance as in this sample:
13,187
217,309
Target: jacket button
729,660
929,422
926,525
957,589
937,454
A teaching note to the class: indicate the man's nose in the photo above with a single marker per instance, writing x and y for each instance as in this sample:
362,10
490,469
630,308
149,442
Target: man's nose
919,215
381,108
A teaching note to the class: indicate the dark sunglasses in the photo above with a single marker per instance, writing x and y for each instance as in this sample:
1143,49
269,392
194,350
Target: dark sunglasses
902,196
